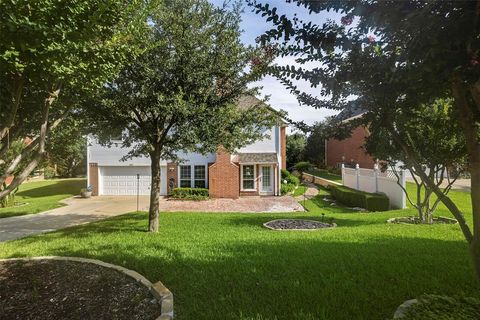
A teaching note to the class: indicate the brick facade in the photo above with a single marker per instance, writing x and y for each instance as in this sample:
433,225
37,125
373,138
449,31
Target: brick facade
224,177
283,144
93,178
172,175
349,151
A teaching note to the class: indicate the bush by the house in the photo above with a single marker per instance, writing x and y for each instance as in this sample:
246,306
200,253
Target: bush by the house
289,178
356,198
287,187
303,166
189,193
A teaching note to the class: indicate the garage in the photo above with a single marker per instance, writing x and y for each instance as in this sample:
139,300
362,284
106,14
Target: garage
122,181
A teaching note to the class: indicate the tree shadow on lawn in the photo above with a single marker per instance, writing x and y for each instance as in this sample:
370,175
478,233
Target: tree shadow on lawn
304,277
59,187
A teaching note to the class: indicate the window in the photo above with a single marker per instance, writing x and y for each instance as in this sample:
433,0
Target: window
185,176
248,177
200,177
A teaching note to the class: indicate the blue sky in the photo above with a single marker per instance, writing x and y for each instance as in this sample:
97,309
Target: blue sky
253,26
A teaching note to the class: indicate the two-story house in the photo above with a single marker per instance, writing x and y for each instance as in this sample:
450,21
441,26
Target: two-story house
252,170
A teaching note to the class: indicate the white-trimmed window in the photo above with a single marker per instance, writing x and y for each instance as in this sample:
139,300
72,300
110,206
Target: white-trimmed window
248,177
200,177
185,176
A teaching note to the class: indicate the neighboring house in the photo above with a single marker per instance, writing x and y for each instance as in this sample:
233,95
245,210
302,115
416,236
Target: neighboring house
252,170
349,151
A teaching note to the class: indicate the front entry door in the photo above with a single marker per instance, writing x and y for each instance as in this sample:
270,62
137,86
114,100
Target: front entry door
267,179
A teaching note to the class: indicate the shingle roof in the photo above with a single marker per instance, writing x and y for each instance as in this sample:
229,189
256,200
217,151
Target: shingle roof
264,157
353,110
245,102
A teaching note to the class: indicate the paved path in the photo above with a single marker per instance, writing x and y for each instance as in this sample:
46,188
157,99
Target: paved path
459,184
79,211
312,191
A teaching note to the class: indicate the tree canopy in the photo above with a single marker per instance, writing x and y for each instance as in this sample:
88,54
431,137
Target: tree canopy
52,54
182,93
390,56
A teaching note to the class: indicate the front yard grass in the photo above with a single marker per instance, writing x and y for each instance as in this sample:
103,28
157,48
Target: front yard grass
41,196
227,266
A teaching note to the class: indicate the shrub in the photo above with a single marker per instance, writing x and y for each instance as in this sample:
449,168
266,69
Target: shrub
356,198
303,166
189,193
287,187
49,173
290,178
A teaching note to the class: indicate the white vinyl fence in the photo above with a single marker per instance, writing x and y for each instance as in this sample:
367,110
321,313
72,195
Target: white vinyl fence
375,181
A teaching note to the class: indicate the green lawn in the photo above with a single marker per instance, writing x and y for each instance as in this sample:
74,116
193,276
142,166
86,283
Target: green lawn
326,175
299,191
42,195
227,266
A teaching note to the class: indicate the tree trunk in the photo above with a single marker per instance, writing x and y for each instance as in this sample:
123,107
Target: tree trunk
468,122
475,196
153,212
38,142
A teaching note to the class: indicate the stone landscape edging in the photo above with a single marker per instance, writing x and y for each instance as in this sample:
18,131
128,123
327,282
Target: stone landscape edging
334,225
158,290
403,308
394,220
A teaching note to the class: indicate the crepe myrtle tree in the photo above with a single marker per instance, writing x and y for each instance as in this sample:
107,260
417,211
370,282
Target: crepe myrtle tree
439,147
391,55
182,93
52,53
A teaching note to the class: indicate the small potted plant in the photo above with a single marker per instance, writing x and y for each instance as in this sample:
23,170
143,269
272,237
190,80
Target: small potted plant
86,192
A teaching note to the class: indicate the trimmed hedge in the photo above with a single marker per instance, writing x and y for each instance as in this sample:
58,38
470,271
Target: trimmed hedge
356,198
189,193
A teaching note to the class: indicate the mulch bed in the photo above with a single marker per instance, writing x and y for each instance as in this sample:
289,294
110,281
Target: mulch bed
54,289
416,220
297,224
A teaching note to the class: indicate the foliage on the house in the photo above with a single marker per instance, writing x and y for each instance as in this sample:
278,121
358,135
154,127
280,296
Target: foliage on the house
189,193
355,198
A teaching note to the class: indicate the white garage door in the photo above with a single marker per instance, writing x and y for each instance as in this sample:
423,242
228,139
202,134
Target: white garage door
123,180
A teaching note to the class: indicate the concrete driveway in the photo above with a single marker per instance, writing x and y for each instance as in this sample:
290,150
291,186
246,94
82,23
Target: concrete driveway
79,211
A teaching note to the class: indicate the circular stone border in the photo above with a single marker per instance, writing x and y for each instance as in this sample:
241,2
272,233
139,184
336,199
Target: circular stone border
403,308
333,225
157,289
440,220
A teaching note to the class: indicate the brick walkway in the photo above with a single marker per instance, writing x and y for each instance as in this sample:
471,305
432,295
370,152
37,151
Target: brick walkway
312,191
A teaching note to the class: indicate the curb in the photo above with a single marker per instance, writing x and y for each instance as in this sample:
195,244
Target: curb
158,290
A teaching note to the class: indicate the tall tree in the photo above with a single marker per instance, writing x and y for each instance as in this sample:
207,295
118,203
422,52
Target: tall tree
438,144
67,149
181,94
392,55
53,53
295,148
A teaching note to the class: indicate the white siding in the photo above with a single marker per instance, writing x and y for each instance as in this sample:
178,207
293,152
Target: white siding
268,144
